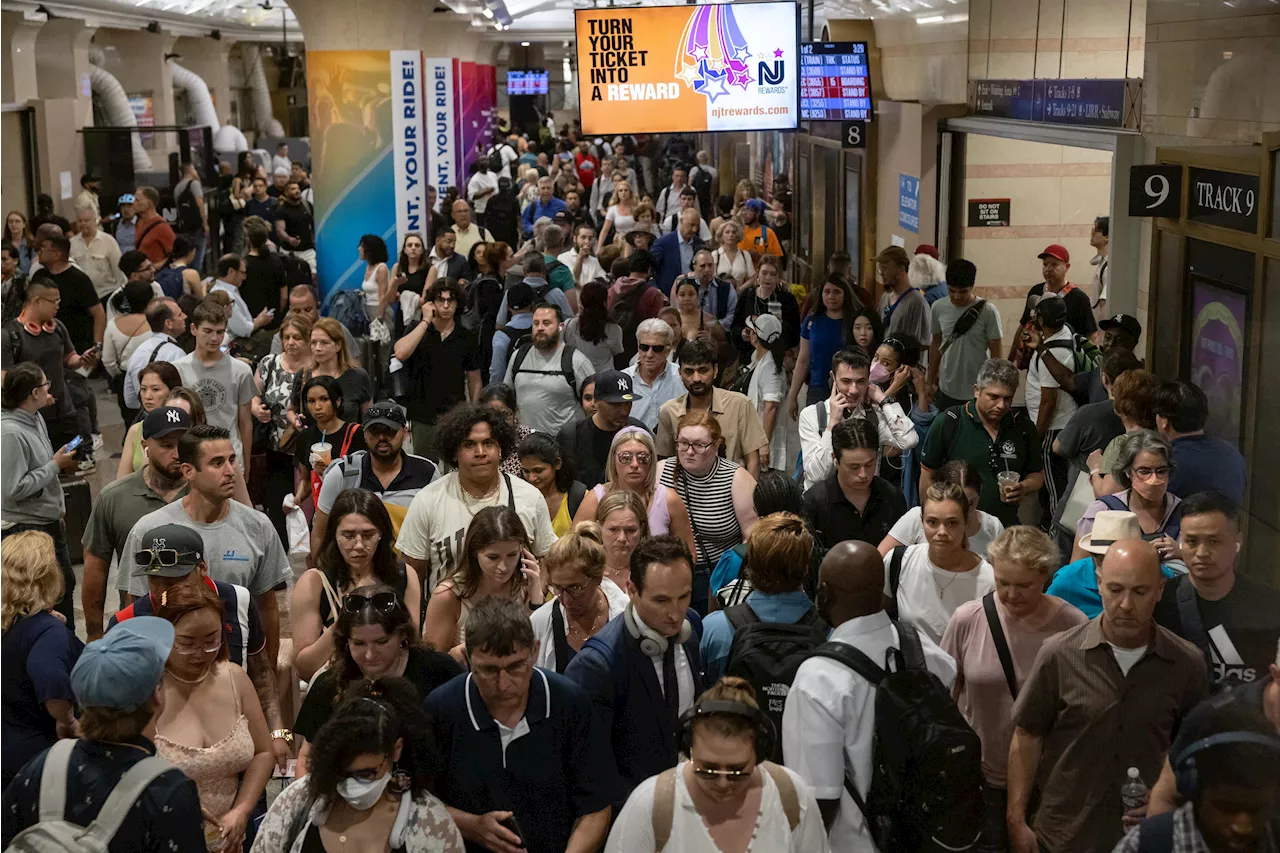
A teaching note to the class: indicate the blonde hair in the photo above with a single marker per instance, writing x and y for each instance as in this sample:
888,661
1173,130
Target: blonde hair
333,331
625,436
613,199
737,229
778,552
1028,547
582,548
728,689
619,500
32,578
941,492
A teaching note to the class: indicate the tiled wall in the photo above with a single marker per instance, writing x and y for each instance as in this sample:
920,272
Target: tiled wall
1055,191
1024,39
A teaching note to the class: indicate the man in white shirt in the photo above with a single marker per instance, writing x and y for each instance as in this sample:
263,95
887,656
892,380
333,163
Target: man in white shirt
483,184
828,723
96,252
657,380
581,259
508,155
852,396
1049,407
688,201
669,199
241,324
281,159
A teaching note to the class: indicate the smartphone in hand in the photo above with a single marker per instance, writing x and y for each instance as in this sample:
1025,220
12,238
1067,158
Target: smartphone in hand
513,825
74,443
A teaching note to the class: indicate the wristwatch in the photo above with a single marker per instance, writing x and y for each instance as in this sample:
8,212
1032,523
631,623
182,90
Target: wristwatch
284,735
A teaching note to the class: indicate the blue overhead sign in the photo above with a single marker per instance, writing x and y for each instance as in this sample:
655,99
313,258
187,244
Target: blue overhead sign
1085,103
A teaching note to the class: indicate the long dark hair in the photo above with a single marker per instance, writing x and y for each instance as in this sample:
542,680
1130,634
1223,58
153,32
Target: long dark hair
375,249
594,316
403,261
366,503
877,330
394,621
491,524
372,717
546,448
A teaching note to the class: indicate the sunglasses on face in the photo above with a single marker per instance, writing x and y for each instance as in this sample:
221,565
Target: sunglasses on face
656,348
627,457
163,557
711,775
383,602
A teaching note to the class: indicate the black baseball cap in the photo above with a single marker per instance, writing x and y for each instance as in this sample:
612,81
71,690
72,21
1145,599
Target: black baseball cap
1124,322
387,414
560,217
519,296
1052,309
165,420
169,551
614,386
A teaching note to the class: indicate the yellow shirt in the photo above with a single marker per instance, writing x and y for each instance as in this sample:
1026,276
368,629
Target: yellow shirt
562,523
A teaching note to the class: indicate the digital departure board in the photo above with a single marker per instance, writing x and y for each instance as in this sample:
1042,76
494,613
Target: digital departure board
835,82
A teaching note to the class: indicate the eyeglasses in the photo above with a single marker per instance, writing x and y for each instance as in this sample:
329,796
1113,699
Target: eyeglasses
700,446
163,557
57,301
191,648
626,457
515,670
351,537
383,602
572,591
445,300
731,775
656,348
1161,473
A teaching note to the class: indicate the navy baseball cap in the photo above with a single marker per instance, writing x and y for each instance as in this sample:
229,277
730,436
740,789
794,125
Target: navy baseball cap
614,386
122,669
165,420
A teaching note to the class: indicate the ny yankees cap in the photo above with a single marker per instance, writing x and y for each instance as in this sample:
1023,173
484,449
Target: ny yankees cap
165,420
614,386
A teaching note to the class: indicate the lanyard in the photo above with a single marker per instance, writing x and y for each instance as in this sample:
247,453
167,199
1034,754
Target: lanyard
894,307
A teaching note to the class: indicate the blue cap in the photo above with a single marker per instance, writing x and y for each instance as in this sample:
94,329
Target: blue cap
755,204
127,198
122,669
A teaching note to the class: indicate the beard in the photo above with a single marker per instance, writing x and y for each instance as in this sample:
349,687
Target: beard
164,481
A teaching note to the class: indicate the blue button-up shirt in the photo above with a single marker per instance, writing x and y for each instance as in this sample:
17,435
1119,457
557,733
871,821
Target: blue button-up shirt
717,631
536,210
667,386
126,231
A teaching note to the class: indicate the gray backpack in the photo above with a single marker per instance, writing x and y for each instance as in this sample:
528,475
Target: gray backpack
54,833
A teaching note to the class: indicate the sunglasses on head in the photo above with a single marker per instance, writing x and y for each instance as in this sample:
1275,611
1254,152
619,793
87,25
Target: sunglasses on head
383,602
163,557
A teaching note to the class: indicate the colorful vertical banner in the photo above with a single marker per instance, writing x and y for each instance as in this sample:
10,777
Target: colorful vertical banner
352,100
471,107
1219,321
442,123
408,144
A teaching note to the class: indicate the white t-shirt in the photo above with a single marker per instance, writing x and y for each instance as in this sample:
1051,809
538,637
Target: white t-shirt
633,831
1126,658
928,595
439,516
591,269
909,530
769,385
480,182
1038,377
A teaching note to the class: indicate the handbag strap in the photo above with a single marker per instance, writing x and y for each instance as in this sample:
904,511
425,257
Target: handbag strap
329,592
1002,644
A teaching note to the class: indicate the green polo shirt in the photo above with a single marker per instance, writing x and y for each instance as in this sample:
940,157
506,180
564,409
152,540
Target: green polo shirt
958,433
116,510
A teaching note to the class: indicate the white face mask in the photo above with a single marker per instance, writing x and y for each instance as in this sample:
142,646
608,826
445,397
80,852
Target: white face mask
361,795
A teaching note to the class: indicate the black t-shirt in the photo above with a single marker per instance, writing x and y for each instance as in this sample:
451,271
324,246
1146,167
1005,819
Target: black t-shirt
835,520
264,278
1079,311
298,223
78,296
425,669
356,389
49,350
439,369
1243,627
588,447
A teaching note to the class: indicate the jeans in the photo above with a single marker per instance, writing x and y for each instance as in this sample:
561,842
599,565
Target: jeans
995,831
66,604
201,242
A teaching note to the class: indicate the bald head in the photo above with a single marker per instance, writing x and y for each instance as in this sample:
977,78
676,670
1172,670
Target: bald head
461,211
1130,584
689,222
850,582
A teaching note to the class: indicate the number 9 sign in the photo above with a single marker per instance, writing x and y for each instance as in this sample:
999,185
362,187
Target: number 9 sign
1155,191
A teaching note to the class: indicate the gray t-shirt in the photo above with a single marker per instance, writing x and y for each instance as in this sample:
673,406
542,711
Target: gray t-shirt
545,398
242,548
1091,428
963,359
909,317
223,388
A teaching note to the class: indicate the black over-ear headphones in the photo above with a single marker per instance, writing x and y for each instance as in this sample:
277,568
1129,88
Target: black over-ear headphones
766,733
1185,773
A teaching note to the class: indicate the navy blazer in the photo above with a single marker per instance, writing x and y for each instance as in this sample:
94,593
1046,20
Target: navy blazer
628,701
666,260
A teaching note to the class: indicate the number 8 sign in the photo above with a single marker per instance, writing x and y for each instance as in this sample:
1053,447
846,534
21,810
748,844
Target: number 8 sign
1155,191
853,134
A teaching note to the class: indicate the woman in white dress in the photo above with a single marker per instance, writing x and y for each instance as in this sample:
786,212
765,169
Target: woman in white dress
731,262
767,387
619,218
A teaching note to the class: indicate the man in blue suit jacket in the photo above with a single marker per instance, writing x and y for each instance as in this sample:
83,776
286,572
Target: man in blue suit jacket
643,669
673,252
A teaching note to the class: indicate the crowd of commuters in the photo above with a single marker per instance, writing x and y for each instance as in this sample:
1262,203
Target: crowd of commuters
571,527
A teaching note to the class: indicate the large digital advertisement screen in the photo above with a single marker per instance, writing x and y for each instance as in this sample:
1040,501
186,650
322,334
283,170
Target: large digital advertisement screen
672,69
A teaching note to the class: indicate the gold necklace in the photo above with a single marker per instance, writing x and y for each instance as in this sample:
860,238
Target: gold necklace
595,619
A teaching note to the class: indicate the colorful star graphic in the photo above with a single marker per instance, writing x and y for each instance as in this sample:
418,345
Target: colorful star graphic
778,53
739,78
688,74
700,52
743,53
710,83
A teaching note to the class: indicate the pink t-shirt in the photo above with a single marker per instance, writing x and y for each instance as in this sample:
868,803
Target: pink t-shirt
981,690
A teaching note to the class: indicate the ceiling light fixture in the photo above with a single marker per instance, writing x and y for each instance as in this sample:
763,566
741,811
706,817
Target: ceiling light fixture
524,44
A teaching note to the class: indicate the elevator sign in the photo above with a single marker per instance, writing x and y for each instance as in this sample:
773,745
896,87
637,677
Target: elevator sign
909,203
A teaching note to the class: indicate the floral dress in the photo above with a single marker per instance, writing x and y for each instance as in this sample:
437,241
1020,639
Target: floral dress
277,390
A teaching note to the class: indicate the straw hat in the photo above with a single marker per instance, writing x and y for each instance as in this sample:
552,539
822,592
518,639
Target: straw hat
1109,527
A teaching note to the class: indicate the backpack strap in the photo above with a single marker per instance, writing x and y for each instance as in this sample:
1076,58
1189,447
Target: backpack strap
740,616
786,792
53,780
910,646
1155,834
521,355
664,806
126,792
566,367
855,659
1113,502
1002,644
822,417
895,572
335,607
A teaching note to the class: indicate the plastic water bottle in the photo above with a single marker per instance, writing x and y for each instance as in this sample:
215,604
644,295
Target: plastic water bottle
1134,793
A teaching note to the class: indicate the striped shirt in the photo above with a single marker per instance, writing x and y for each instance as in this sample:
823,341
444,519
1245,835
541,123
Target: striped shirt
242,627
709,499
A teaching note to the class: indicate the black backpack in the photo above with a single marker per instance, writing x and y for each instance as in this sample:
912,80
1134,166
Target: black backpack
767,654
517,337
926,778
701,182
566,366
188,211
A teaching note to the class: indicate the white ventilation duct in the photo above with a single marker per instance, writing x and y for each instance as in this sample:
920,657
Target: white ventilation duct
197,95
108,88
260,97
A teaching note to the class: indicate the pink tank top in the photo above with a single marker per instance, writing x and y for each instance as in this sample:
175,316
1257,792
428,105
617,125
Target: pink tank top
659,515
